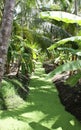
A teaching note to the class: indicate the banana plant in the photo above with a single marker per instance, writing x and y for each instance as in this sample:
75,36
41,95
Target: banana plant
70,65
61,16
71,40
75,40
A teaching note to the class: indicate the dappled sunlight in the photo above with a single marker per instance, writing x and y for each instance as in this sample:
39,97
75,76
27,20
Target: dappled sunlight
42,111
50,122
38,126
34,115
72,122
40,59
58,128
10,123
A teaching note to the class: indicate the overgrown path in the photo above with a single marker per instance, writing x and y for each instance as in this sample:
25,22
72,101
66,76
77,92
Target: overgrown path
43,110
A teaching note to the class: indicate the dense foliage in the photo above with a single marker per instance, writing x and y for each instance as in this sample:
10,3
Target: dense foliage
46,31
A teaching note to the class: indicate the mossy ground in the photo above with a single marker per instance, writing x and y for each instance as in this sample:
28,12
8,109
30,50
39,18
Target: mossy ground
42,111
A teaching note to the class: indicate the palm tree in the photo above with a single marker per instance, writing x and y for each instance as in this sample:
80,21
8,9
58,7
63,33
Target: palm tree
5,33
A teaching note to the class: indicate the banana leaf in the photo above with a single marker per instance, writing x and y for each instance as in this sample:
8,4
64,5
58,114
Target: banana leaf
72,80
76,39
61,16
72,65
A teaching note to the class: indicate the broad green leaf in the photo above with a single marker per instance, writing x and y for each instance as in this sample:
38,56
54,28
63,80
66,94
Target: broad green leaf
72,65
72,81
61,16
76,39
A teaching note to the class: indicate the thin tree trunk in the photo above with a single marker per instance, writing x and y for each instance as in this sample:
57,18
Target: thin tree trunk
76,7
5,32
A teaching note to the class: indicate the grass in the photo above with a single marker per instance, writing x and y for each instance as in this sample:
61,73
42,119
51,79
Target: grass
42,111
10,96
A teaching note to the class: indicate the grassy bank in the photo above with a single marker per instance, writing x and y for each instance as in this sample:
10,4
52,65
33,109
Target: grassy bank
42,111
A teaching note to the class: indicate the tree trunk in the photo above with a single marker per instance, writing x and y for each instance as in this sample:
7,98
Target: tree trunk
76,7
5,32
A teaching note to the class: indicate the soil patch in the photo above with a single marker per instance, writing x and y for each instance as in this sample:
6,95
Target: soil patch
70,97
49,67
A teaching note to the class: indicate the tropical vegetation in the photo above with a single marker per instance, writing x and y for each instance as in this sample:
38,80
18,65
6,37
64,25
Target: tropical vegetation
36,34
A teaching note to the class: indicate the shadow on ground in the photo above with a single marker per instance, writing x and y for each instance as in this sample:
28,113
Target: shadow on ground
43,110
